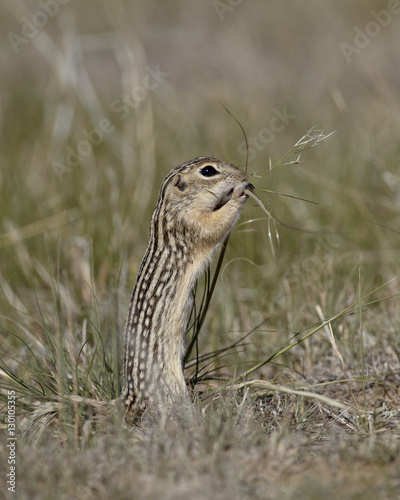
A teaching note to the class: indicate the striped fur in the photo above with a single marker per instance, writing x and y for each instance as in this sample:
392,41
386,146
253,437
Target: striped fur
194,213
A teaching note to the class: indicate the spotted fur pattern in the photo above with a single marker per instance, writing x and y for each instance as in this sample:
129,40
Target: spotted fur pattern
198,205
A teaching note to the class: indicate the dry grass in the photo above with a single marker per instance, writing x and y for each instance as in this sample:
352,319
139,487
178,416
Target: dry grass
296,371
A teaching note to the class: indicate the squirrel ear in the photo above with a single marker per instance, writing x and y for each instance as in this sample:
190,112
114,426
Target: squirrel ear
180,183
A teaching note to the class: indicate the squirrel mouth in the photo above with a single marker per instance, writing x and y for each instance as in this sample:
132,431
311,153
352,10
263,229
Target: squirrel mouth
228,195
224,200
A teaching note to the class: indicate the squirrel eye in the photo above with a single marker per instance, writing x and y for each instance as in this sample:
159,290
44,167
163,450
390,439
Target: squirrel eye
208,171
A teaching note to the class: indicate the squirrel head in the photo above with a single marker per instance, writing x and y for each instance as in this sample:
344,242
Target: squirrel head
201,200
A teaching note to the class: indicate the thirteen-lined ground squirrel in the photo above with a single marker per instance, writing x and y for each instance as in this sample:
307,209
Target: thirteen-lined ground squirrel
198,205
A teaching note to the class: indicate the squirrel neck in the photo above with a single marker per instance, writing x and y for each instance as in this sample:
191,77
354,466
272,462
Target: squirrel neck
158,315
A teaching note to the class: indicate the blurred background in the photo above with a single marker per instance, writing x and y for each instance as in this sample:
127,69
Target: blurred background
100,100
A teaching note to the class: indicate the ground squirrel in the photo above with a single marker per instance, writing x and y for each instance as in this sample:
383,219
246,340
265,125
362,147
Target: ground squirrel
198,205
